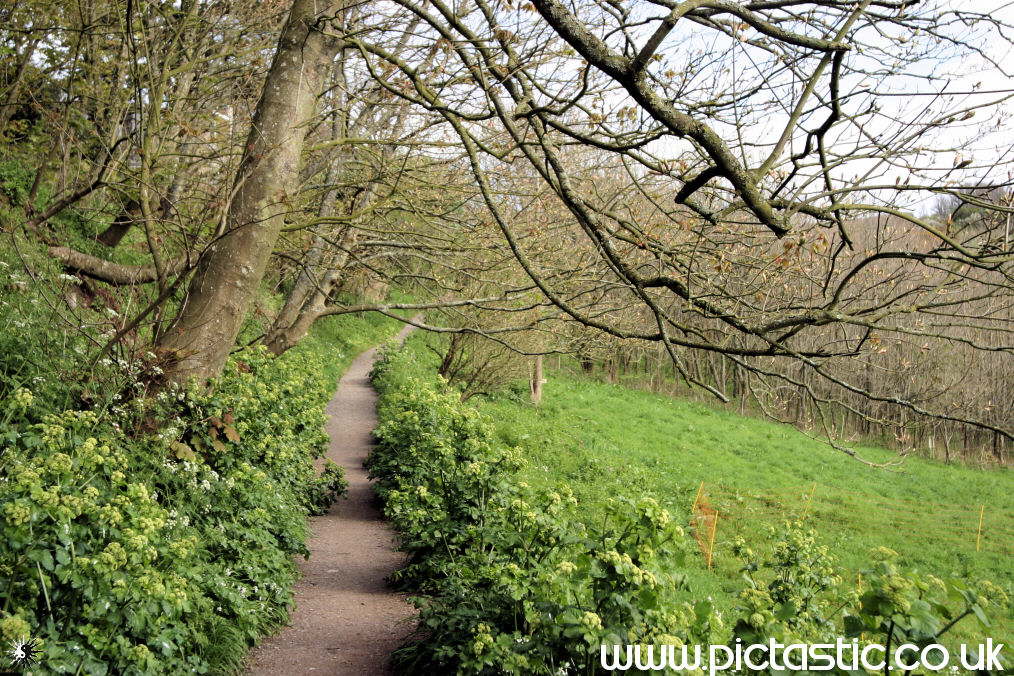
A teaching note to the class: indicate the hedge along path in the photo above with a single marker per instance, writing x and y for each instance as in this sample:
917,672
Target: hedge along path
346,619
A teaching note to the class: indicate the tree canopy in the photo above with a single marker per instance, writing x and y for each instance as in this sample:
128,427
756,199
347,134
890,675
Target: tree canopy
814,193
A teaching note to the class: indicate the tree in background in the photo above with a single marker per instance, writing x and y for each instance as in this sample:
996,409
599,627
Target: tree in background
773,160
266,186
740,188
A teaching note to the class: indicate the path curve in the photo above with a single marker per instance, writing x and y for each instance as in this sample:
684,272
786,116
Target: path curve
346,620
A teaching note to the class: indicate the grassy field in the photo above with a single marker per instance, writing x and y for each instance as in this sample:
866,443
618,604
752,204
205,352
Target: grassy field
605,440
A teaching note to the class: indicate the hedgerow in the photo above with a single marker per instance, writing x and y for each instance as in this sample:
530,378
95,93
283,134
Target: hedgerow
509,579
158,536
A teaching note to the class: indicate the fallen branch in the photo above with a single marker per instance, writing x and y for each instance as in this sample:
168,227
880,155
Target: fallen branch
116,274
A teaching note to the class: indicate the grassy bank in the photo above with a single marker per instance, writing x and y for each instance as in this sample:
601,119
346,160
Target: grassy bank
605,441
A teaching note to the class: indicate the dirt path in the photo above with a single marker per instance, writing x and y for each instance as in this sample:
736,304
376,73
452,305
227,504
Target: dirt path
346,620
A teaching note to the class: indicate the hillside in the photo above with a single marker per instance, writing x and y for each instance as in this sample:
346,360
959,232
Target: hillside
605,441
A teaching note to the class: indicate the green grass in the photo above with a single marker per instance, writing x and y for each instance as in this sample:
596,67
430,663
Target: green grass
345,336
605,440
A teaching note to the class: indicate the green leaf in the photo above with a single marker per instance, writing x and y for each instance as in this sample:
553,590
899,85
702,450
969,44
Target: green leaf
786,611
183,452
854,626
62,556
647,599
43,557
980,614
921,620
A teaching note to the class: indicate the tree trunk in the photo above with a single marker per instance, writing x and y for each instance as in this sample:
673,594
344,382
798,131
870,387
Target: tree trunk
537,380
116,274
10,102
450,356
308,298
227,277
121,225
282,338
305,283
304,289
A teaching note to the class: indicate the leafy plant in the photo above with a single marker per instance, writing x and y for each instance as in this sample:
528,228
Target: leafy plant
507,579
513,579
133,547
794,596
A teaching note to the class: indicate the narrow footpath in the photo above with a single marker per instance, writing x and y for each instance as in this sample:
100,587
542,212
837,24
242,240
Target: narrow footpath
346,620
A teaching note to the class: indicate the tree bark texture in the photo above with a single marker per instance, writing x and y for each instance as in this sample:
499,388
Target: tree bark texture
537,380
116,274
227,277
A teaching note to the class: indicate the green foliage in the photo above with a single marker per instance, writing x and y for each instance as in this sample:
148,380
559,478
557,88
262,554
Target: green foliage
606,440
509,580
913,608
15,182
323,490
803,572
794,596
51,327
148,533
515,579
166,551
36,350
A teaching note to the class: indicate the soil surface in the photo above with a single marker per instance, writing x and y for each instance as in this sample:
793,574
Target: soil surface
346,619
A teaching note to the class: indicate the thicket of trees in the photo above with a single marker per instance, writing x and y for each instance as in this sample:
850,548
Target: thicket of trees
802,204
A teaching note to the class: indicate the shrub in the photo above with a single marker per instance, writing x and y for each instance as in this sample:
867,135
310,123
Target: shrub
795,596
477,365
508,579
125,550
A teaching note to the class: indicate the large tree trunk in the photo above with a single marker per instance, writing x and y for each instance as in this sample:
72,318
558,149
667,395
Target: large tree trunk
227,277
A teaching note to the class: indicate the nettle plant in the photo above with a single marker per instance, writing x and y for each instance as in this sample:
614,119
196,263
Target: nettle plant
795,596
